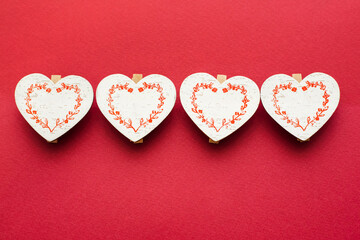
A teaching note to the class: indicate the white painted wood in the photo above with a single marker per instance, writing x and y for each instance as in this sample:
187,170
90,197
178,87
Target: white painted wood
53,109
219,109
300,108
135,109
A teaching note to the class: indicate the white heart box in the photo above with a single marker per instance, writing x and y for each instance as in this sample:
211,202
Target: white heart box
219,109
301,108
135,109
53,109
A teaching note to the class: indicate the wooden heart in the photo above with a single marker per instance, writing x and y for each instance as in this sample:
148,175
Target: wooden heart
219,109
53,109
301,108
135,109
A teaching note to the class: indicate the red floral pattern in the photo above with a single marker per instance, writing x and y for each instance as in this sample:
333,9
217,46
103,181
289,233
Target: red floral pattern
128,123
309,120
225,122
44,122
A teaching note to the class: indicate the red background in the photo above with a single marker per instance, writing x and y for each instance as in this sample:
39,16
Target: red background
259,183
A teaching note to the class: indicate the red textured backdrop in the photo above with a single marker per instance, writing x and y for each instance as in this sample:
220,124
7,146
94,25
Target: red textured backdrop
259,183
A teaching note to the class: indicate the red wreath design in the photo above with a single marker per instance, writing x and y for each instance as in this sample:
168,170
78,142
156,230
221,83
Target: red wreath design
44,122
225,122
310,121
128,122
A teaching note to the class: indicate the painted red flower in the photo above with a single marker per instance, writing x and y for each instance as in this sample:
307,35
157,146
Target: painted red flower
293,89
58,89
130,90
214,89
48,90
225,90
304,88
141,89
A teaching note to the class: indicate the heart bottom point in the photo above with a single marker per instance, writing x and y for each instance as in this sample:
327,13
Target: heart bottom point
53,141
213,141
301,140
138,141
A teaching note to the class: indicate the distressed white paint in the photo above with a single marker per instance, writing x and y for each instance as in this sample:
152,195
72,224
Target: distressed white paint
218,105
51,105
302,104
135,105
